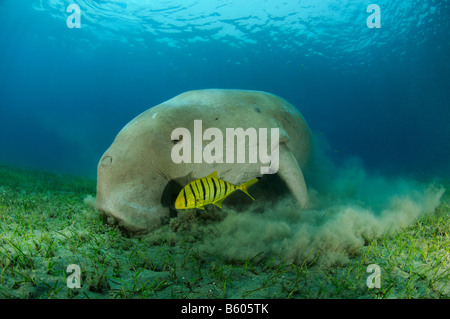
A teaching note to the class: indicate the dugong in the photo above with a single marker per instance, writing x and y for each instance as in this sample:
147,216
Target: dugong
137,173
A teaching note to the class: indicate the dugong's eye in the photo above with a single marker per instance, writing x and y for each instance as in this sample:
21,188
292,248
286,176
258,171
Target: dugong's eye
179,139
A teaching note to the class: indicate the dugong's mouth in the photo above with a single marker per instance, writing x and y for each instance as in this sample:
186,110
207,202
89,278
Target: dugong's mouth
132,216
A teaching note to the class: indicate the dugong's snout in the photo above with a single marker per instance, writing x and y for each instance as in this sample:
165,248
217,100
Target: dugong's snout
131,216
126,199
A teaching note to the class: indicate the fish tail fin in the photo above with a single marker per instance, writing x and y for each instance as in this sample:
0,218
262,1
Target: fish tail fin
243,187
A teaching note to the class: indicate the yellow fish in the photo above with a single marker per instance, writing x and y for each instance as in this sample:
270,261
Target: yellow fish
209,190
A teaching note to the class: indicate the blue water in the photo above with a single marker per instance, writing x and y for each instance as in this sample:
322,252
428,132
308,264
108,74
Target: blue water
381,94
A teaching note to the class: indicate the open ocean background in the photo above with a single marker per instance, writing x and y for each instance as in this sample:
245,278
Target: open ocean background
380,94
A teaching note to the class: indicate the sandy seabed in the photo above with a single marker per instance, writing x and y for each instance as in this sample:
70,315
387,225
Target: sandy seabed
401,226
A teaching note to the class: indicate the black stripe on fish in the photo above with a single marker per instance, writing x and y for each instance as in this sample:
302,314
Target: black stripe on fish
202,181
192,191
185,198
215,188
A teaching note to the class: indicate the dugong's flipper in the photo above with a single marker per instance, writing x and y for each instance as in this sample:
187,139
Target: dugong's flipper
292,175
